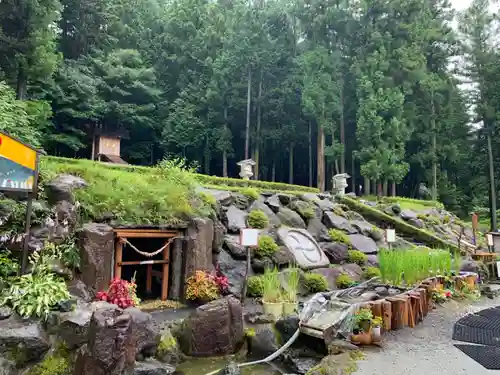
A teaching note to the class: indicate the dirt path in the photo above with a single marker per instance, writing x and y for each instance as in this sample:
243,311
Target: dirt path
427,349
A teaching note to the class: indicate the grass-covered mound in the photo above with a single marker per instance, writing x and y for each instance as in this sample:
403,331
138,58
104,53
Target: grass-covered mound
406,203
165,194
377,216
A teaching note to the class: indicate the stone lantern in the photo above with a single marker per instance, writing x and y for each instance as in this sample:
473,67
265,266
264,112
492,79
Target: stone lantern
340,183
246,168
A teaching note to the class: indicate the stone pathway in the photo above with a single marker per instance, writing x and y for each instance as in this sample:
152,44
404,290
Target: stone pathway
428,349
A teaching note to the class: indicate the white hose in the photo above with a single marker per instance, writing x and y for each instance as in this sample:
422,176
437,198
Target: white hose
289,343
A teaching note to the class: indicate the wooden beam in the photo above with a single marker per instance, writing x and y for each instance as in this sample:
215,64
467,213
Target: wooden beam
146,233
149,278
143,262
118,258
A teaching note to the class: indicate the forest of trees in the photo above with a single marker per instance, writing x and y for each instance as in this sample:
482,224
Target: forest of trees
307,88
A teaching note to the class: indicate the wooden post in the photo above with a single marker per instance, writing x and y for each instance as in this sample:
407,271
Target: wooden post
387,315
423,301
406,309
376,308
118,258
164,281
149,278
398,312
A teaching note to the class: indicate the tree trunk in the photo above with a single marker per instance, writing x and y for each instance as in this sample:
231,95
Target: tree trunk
207,155
434,150
493,195
393,188
290,167
385,187
353,173
379,189
224,153
321,158
21,83
310,156
249,103
273,171
257,133
367,186
342,129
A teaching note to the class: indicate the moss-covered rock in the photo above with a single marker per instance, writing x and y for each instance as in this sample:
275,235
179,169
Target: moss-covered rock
168,350
58,362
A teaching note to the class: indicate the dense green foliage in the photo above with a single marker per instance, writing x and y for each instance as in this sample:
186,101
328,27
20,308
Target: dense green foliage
307,88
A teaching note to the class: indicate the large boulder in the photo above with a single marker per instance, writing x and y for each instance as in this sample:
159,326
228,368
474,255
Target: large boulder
234,219
198,250
274,203
264,341
408,214
145,335
336,252
318,230
22,341
96,252
234,270
233,247
219,234
337,222
111,348
168,350
213,329
290,218
61,188
363,244
79,290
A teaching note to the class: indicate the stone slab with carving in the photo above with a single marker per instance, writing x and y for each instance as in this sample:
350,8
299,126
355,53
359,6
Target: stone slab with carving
305,250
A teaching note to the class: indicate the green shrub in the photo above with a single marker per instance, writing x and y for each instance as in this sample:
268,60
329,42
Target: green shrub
257,219
371,272
250,193
339,236
8,265
358,257
315,283
37,293
267,247
208,199
344,281
56,363
255,287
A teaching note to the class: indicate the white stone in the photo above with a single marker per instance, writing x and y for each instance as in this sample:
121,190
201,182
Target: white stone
246,168
340,183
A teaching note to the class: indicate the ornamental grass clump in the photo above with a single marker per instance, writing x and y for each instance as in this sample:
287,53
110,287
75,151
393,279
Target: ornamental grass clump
292,280
413,265
271,286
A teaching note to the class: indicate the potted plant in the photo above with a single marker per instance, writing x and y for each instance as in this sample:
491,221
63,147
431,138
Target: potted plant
362,324
292,278
271,298
377,328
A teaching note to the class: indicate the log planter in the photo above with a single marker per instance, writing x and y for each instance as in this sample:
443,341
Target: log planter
411,307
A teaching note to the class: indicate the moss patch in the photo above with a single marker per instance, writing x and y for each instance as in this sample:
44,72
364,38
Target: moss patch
58,362
358,257
400,225
338,236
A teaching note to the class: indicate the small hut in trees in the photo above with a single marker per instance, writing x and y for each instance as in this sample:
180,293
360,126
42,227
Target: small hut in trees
106,145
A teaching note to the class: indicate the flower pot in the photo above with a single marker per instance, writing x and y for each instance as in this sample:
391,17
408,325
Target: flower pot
289,308
470,280
363,338
365,325
274,309
376,333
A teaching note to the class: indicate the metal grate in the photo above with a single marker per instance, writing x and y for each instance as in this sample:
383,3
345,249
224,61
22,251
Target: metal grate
486,356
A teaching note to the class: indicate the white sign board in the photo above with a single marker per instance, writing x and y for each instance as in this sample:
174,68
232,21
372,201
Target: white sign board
249,237
498,268
489,239
390,235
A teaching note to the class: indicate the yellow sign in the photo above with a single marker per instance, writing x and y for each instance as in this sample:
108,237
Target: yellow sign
18,164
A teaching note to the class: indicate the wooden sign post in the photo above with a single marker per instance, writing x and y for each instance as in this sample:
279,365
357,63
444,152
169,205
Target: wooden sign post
475,223
19,173
248,238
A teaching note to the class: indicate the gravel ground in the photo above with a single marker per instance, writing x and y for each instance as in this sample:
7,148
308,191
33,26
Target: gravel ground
428,349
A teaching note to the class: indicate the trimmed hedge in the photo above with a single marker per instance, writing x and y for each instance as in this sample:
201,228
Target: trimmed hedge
376,215
215,182
426,203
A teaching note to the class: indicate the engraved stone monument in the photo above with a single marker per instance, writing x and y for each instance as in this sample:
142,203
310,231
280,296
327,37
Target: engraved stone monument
303,247
340,183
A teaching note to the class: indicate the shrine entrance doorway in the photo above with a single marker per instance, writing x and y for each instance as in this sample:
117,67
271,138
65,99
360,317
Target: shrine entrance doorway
145,254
